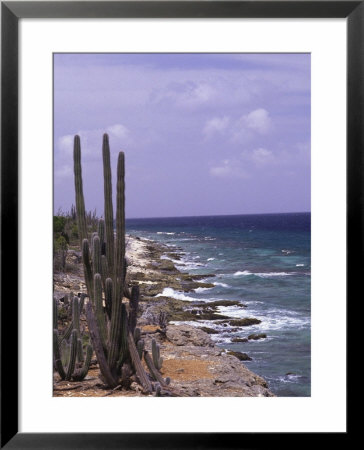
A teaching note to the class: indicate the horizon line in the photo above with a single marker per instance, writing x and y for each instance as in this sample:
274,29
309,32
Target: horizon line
219,215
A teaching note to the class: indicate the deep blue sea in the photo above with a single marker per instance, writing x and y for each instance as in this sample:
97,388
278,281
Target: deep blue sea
264,262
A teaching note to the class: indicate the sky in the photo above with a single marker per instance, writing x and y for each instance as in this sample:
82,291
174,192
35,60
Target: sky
203,134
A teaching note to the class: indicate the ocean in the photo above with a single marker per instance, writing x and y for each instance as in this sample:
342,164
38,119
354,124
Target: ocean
264,262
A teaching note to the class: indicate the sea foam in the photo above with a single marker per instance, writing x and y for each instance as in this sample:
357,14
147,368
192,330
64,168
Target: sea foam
169,292
221,284
261,274
202,289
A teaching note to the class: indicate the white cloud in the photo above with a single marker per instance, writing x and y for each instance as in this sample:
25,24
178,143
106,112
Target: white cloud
65,144
241,130
200,93
262,156
187,94
228,169
217,125
257,120
118,130
296,155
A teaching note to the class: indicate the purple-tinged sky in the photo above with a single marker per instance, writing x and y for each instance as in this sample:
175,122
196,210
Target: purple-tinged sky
203,134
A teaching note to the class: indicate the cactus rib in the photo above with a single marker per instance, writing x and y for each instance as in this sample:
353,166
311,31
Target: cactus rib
97,345
142,375
80,203
109,215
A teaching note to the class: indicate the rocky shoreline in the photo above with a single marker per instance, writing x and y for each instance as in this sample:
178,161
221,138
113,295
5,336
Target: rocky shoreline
196,366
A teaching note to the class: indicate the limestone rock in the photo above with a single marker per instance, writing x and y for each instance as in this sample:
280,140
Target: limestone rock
255,337
244,322
241,356
237,339
188,335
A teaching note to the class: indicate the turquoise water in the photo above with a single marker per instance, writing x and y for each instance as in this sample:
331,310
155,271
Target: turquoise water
264,262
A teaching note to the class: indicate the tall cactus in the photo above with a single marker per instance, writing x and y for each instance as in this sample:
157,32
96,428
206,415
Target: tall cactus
101,233
118,272
80,203
108,208
111,327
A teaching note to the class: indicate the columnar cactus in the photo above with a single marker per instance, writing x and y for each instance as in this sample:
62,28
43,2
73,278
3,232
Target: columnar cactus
109,214
76,366
111,326
154,371
67,332
140,348
158,361
134,303
55,313
101,233
154,364
80,203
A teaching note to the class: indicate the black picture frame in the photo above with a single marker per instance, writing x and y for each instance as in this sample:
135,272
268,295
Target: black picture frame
11,12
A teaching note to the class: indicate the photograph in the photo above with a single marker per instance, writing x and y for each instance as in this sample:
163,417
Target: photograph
181,225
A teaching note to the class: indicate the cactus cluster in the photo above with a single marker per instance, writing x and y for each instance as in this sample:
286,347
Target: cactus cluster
154,364
111,311
69,359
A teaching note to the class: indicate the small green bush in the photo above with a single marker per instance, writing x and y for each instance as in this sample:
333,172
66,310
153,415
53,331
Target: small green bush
59,223
60,244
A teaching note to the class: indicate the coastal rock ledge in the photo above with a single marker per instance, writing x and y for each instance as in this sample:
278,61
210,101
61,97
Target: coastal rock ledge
199,368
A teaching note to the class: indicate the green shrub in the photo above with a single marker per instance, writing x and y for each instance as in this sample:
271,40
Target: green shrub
60,244
59,223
